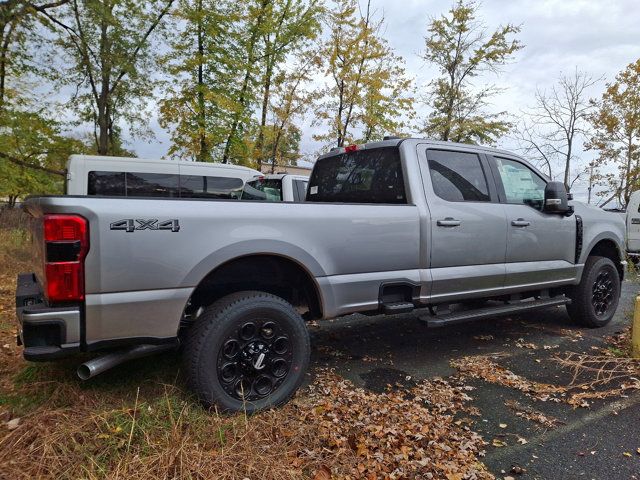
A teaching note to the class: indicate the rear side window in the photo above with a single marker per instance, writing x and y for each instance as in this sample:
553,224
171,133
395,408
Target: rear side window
263,189
196,186
152,184
106,183
363,176
457,176
134,184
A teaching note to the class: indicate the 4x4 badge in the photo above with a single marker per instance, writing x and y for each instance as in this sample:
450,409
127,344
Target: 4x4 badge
131,224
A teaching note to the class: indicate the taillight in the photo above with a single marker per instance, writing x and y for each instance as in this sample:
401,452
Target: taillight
66,240
351,148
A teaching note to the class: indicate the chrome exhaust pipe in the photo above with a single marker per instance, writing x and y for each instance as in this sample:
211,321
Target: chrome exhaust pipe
103,363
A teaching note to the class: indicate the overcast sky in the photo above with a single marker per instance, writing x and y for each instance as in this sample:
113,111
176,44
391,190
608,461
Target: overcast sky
598,36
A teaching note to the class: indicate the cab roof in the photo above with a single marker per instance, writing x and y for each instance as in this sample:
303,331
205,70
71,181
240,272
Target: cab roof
395,142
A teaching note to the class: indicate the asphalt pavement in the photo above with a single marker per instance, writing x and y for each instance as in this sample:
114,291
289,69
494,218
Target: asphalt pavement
598,442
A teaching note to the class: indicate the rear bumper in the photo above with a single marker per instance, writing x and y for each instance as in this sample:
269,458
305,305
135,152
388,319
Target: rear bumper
47,333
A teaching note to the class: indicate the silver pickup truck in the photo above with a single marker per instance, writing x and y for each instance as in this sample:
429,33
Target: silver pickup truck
460,232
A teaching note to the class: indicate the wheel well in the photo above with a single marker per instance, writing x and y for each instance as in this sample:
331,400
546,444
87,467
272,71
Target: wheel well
280,276
607,248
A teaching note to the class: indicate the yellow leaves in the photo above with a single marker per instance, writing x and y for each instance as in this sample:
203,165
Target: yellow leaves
498,443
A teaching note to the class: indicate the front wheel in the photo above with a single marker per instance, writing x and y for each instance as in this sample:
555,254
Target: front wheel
595,299
247,351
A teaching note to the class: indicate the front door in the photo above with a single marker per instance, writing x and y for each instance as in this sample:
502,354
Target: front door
467,224
541,247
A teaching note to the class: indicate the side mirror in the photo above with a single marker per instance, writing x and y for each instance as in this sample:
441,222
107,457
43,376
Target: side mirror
556,198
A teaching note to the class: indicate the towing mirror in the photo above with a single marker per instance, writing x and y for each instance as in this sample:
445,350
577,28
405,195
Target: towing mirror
556,198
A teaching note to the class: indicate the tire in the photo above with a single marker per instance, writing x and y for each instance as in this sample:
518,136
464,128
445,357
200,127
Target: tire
246,352
595,299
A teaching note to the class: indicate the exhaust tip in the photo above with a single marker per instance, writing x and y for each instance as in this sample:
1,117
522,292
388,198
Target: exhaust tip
84,372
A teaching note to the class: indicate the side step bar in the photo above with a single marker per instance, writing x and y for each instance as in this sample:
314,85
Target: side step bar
454,318
397,307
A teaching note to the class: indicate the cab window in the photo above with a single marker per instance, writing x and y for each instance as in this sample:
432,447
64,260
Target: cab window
521,184
457,176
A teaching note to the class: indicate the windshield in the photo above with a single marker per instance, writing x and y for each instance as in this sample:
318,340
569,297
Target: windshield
263,189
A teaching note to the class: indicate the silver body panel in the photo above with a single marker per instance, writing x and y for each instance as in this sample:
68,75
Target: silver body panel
138,283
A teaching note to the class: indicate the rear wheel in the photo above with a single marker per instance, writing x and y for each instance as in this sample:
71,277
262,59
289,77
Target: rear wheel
247,351
595,299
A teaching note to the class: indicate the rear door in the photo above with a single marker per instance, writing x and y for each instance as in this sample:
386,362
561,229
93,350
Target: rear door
467,223
540,246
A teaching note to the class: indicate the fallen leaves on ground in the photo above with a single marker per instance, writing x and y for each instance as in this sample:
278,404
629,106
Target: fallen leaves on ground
483,367
331,430
533,415
593,371
396,435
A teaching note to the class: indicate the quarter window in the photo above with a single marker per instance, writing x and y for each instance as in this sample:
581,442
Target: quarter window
521,184
457,176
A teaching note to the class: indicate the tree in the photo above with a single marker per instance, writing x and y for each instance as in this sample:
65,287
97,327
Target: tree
204,60
367,88
293,23
616,137
458,44
388,92
110,59
18,22
225,59
551,129
255,24
33,155
290,101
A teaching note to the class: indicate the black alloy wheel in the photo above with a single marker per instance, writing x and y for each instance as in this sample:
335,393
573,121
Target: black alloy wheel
246,352
255,359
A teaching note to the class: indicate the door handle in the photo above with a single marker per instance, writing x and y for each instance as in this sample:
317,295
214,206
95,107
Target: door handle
448,222
521,222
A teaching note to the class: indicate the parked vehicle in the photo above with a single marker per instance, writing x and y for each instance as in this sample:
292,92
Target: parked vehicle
633,227
139,177
387,227
281,187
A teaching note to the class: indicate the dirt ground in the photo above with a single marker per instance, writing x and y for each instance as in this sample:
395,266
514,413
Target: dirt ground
523,397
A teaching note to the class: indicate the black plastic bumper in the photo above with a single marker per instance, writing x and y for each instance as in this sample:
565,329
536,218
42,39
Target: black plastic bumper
47,333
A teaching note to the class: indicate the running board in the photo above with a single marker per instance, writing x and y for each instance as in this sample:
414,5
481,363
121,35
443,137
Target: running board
454,318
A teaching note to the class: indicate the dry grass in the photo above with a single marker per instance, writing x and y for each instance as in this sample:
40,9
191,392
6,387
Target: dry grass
14,219
137,421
